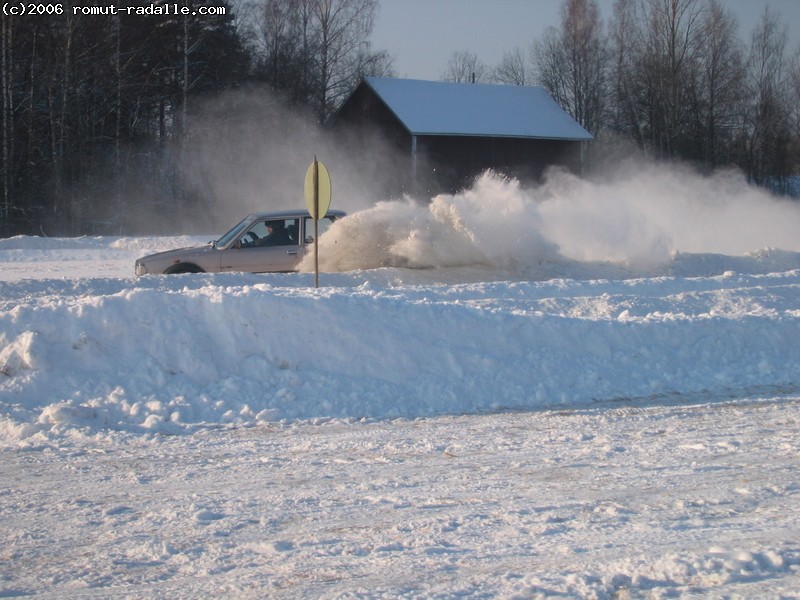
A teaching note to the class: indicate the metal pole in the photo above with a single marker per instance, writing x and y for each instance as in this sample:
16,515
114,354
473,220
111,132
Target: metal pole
316,223
414,164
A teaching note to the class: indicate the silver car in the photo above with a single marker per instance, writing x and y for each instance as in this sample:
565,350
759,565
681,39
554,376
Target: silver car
260,243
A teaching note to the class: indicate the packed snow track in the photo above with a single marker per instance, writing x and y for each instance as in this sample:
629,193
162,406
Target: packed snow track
587,432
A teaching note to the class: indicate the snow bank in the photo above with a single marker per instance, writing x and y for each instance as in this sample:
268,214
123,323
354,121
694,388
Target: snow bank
169,354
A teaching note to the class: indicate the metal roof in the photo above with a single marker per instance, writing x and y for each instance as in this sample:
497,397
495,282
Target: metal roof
474,109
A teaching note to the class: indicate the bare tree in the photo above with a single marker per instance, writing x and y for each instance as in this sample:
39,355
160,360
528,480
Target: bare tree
627,110
767,126
374,64
283,46
512,69
341,29
316,50
7,120
795,80
673,39
572,62
550,59
794,103
275,30
657,49
720,90
465,67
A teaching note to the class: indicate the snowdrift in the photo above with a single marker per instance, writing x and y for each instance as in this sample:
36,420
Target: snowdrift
168,354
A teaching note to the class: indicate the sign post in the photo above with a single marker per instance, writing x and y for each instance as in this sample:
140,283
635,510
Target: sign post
318,201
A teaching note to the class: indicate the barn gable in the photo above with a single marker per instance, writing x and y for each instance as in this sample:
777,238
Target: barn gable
451,132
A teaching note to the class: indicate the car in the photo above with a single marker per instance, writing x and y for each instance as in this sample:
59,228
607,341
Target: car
264,242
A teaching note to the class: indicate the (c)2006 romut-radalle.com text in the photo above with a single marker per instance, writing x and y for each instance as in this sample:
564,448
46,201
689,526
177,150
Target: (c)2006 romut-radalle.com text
58,8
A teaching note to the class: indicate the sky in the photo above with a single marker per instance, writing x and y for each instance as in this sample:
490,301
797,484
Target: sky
422,35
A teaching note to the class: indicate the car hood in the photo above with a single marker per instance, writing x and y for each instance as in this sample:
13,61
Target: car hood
179,253
158,263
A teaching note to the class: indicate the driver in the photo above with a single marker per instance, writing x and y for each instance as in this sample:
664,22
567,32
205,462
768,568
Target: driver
278,236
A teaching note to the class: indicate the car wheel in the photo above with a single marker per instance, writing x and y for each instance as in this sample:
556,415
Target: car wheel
183,268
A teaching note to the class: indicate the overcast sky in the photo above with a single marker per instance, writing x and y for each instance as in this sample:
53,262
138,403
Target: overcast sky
422,35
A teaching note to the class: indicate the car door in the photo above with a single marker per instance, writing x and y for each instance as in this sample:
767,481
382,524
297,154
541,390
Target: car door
322,227
251,254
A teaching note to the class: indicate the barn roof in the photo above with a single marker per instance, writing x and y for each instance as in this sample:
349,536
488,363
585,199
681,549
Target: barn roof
470,109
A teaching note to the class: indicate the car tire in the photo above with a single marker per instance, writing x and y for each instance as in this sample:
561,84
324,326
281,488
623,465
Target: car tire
183,268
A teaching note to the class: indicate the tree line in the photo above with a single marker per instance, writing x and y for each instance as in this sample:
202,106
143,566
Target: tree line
97,109
672,77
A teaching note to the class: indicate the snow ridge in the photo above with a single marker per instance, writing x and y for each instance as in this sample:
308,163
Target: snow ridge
170,356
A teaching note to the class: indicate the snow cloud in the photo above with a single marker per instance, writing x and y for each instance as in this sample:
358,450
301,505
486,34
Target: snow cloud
639,216
642,213
250,151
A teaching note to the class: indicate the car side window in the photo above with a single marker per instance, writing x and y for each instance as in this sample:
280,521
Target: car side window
259,229
324,225
271,232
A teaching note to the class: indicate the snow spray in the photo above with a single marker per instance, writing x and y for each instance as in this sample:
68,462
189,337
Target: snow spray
639,215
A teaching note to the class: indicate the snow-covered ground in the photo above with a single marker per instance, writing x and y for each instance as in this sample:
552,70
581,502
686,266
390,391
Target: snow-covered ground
489,398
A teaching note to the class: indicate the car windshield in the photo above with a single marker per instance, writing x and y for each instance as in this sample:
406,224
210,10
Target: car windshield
235,232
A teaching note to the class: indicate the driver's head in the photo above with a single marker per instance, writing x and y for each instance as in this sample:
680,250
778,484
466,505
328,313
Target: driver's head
274,225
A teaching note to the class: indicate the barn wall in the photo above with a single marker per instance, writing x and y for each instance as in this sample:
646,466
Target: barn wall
447,164
364,110
364,117
451,163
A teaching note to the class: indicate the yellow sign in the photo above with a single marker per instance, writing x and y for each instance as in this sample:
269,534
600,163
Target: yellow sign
318,201
318,190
